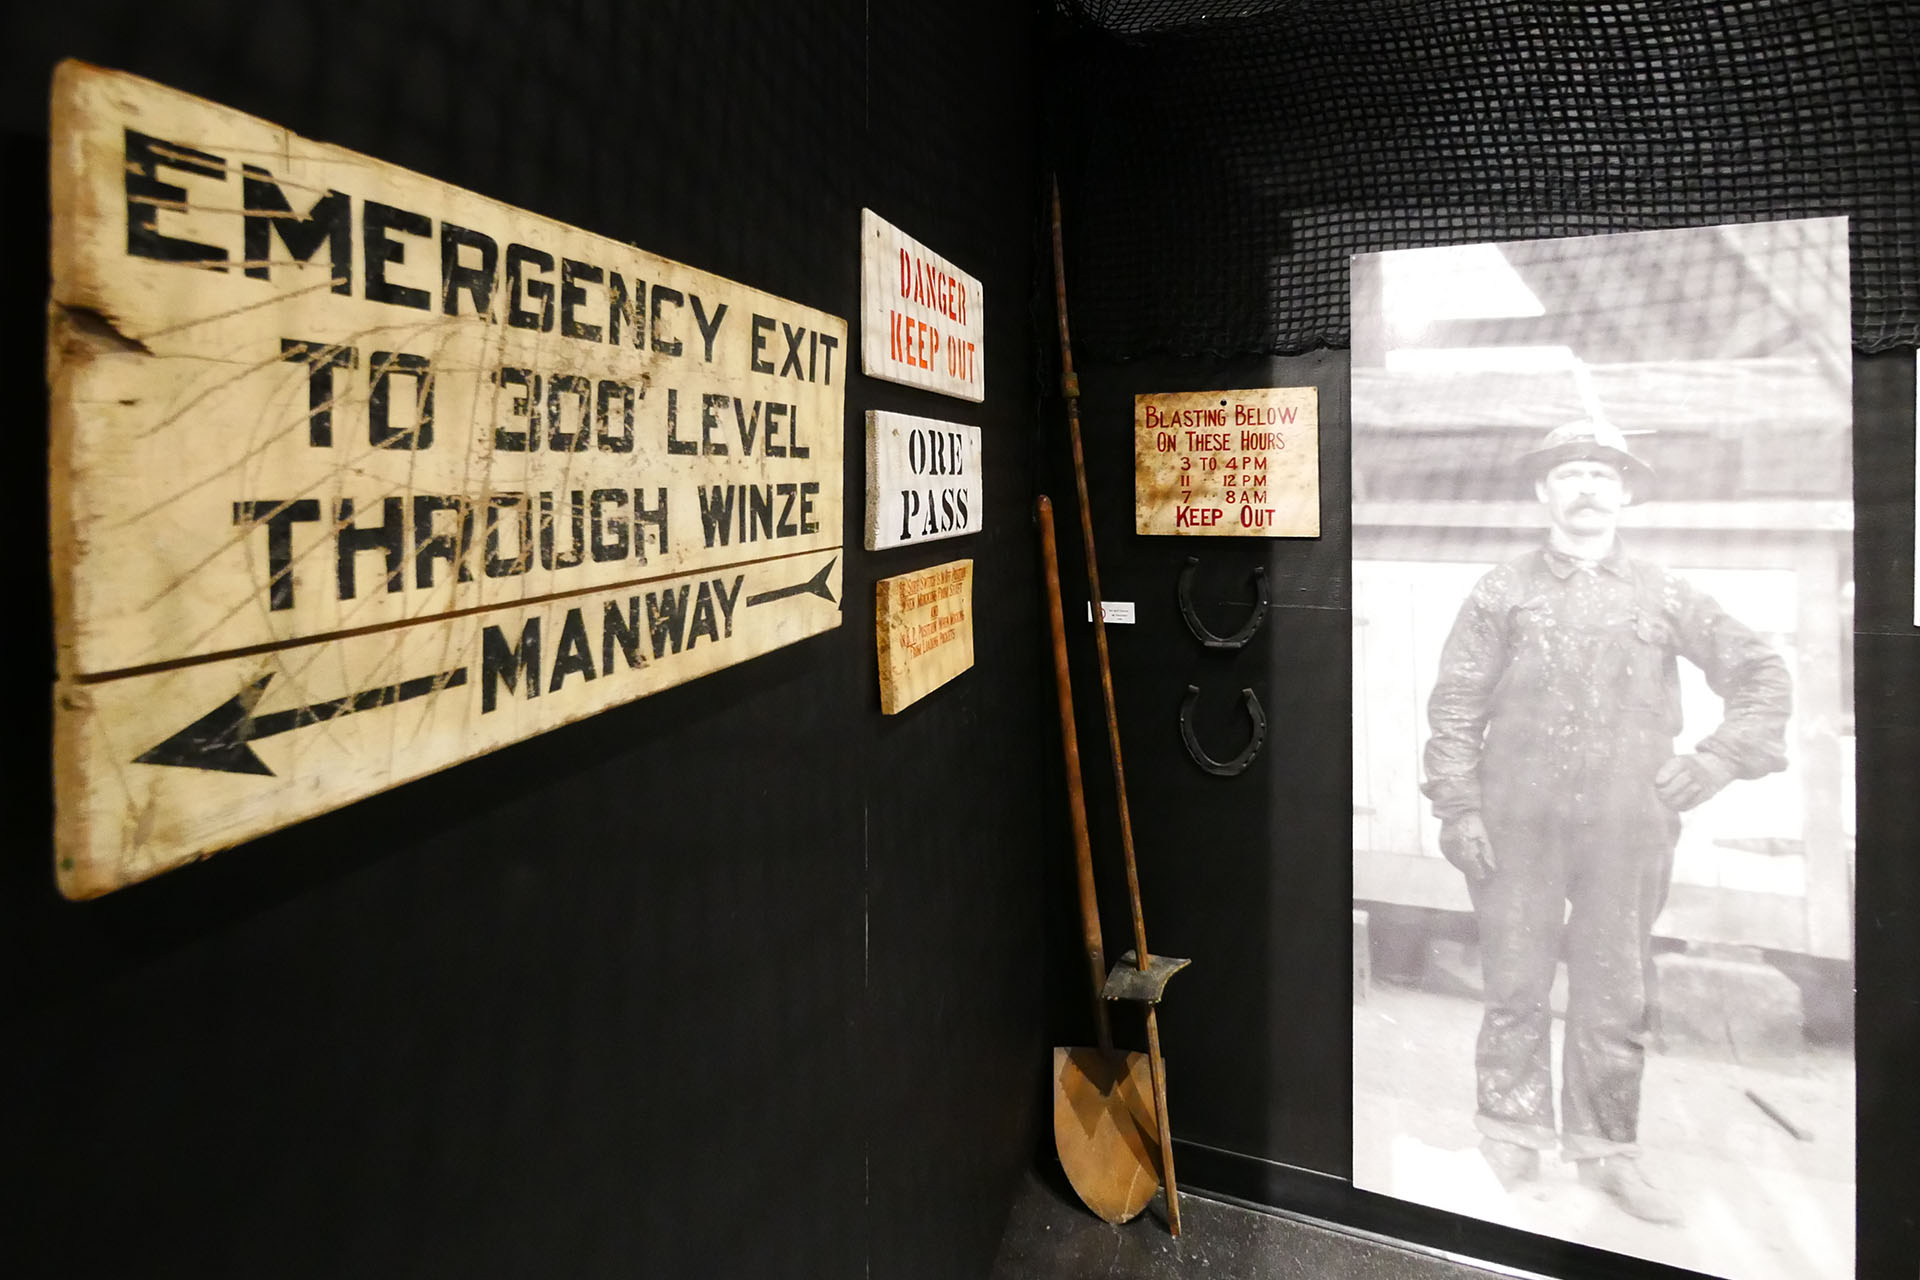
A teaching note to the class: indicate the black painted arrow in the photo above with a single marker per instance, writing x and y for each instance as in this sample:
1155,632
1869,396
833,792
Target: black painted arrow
814,586
219,740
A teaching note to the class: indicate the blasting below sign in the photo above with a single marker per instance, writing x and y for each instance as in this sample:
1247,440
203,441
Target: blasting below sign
922,319
1228,463
923,480
357,475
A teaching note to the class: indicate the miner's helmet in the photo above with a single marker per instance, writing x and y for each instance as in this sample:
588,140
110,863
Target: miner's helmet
1595,439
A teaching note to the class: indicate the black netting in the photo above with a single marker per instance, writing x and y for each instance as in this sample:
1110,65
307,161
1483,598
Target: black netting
1221,162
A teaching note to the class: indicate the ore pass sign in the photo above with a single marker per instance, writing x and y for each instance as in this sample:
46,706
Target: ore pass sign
356,475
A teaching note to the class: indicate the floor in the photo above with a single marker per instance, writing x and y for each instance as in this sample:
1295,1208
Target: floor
1051,1236
1762,1203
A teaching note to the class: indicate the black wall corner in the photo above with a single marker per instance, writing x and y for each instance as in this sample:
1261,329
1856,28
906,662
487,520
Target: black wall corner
734,981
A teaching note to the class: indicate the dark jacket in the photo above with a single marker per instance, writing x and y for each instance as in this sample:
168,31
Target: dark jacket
1558,688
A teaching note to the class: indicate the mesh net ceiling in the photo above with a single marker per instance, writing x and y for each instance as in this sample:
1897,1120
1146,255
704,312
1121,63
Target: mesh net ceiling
1221,161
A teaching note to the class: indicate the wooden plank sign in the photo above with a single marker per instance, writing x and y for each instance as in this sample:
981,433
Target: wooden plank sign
1228,463
922,319
356,475
923,627
923,480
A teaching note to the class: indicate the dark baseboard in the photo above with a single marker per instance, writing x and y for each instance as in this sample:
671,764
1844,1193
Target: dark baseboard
1336,1202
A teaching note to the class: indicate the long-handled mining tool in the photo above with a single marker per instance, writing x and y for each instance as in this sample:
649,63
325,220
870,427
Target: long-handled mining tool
1103,1117
1140,976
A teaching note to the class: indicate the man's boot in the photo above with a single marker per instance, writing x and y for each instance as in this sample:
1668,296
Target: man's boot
1511,1162
1622,1178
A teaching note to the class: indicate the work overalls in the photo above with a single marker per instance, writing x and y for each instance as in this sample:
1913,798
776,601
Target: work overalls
1557,699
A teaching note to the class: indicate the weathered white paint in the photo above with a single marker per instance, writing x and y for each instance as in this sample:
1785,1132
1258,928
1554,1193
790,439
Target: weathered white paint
321,426
923,480
922,319
1228,463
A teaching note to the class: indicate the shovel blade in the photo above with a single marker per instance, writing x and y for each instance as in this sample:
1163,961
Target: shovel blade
1104,1129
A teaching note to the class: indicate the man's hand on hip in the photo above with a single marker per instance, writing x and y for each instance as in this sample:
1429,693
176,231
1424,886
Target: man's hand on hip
1686,781
1463,840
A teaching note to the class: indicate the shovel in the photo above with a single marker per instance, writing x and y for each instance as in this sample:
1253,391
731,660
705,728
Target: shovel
1103,1102
1140,976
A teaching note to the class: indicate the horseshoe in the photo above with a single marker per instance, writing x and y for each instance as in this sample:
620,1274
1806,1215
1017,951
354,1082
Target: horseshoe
1238,640
1223,768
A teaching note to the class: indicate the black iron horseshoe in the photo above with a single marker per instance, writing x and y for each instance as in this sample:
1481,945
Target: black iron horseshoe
1223,768
1238,640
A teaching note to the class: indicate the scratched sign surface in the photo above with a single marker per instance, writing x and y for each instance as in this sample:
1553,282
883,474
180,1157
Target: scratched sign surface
356,475
923,320
1237,464
923,631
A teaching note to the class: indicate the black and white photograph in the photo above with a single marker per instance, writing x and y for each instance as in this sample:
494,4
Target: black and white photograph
1603,740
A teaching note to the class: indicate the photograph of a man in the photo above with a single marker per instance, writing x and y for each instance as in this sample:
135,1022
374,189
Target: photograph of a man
1553,769
1603,740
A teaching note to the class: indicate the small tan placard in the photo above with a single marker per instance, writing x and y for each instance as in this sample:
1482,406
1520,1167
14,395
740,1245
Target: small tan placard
1228,463
923,628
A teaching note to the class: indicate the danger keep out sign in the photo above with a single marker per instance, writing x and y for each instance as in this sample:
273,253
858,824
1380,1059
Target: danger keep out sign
923,320
356,475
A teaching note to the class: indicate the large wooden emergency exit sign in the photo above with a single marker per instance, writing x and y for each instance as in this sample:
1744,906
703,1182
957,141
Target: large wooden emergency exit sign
356,475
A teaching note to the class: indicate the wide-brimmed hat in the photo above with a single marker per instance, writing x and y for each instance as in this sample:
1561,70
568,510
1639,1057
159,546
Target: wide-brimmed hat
1589,438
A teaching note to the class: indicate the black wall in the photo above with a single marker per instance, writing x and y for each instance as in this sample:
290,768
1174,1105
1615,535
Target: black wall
1235,873
1219,168
733,981
1251,876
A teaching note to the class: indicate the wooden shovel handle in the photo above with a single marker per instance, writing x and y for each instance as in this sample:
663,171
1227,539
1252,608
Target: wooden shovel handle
1076,797
1070,388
